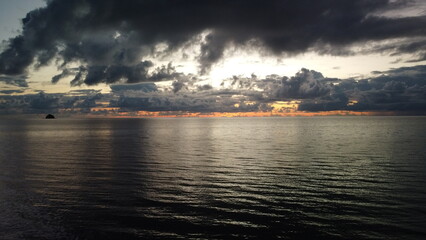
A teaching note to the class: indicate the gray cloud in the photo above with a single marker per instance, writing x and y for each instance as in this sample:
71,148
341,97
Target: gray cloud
111,38
203,101
43,102
401,90
93,75
11,91
305,84
204,87
177,86
18,80
140,87
84,92
65,73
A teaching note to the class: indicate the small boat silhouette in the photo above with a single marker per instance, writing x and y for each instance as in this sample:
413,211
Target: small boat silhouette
50,116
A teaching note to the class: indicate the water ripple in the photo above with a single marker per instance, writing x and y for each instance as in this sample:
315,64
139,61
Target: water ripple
293,178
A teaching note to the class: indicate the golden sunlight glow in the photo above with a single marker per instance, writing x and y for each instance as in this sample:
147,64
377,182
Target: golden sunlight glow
285,106
352,102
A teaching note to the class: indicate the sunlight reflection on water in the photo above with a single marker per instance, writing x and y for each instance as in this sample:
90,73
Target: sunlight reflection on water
326,177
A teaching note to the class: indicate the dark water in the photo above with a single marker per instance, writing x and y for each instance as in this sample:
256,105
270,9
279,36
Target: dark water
247,178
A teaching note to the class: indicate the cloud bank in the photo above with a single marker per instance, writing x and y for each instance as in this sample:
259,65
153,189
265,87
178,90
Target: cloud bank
396,90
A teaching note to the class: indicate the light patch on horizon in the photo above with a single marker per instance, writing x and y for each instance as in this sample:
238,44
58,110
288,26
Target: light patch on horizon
349,66
285,106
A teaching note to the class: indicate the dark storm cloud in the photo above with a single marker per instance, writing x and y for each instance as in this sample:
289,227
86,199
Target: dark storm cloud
18,80
11,91
111,39
65,73
212,50
93,75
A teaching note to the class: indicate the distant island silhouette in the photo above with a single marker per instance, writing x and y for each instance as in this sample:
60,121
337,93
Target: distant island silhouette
50,116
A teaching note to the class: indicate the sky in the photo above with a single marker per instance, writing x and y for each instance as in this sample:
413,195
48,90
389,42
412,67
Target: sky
212,57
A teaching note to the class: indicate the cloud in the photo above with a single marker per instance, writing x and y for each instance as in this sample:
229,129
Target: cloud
11,91
84,92
305,84
140,87
177,86
401,90
76,101
65,73
113,39
204,87
93,75
43,102
18,80
203,101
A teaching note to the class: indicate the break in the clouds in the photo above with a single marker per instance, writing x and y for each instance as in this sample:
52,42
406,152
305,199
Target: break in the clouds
112,40
398,90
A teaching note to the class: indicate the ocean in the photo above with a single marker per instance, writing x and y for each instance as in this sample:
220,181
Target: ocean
213,178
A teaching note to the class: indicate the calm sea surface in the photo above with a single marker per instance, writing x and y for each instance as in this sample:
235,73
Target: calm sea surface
242,178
